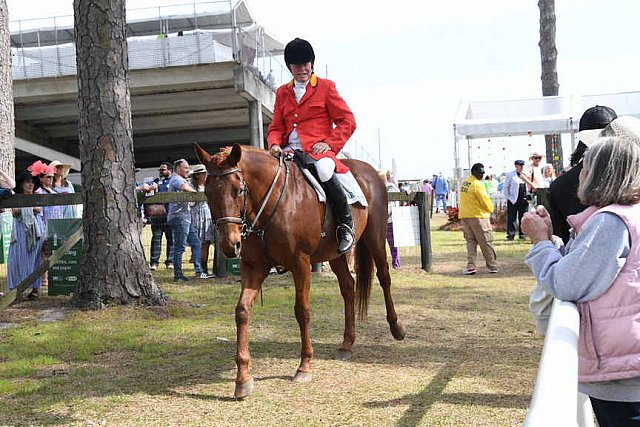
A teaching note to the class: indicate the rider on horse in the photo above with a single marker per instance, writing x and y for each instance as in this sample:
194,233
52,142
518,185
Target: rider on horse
309,115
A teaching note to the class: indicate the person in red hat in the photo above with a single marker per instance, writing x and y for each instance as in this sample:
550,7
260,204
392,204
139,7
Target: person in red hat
311,116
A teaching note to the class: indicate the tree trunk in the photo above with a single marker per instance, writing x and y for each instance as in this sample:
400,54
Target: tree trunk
114,269
550,86
7,120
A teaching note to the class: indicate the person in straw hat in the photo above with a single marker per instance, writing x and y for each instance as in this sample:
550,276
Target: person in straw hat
62,186
201,218
533,172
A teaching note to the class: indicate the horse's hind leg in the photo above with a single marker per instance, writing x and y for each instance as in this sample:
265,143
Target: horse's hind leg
347,289
252,278
375,244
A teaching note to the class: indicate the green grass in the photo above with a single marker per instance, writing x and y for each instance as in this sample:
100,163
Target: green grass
469,357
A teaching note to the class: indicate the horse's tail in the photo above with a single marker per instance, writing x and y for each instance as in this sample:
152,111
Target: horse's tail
364,276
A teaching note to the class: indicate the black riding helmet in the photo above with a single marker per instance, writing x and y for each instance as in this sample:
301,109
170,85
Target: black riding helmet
298,51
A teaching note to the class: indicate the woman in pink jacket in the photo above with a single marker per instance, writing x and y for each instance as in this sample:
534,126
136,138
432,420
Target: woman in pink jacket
600,271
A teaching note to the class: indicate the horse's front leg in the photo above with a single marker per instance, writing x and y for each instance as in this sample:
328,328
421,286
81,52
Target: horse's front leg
252,278
302,280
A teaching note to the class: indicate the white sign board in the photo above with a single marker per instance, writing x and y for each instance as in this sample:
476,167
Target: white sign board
406,226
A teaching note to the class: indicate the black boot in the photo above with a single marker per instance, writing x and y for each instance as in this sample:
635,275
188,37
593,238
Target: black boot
342,213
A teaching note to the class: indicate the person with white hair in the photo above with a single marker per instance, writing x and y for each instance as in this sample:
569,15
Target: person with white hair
599,270
548,175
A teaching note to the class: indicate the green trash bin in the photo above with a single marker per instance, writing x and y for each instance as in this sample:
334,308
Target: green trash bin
64,275
233,266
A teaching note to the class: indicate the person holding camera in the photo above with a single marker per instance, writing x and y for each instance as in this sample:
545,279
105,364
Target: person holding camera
7,184
515,191
157,216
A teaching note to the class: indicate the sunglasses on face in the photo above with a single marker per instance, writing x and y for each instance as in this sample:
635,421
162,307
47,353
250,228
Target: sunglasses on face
537,158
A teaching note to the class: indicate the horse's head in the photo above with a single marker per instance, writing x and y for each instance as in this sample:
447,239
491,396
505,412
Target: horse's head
226,193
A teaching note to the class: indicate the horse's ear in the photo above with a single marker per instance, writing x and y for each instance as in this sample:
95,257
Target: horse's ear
236,153
202,155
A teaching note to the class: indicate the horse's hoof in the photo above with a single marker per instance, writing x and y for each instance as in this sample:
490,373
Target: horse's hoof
344,355
397,331
244,390
302,377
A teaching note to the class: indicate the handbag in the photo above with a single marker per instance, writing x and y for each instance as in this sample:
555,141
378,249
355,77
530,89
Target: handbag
154,210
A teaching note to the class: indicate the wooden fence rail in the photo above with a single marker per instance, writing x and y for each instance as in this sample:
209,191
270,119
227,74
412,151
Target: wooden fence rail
422,201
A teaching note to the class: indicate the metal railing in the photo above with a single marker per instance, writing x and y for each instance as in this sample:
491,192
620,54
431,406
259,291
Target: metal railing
185,34
556,401
355,150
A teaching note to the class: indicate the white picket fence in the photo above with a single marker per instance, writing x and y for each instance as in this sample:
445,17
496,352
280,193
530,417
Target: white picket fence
556,401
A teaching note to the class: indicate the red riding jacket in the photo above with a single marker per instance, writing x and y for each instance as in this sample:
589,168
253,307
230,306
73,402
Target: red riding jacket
314,117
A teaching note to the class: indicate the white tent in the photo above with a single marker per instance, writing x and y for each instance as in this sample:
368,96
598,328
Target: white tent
541,116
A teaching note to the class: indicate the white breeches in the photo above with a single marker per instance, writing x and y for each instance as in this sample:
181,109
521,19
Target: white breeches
325,168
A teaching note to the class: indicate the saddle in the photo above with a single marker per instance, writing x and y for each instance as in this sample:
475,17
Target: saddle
306,164
349,184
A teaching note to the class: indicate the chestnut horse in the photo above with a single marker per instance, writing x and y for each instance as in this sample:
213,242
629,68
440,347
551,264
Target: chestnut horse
265,209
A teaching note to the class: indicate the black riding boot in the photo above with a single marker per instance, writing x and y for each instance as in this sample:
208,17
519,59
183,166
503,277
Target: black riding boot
342,213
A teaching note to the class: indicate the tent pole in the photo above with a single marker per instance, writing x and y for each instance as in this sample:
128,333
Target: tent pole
456,155
469,153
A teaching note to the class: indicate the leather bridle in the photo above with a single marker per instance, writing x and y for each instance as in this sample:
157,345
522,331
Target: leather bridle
248,229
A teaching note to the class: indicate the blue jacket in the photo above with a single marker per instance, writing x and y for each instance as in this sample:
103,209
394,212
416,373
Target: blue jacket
440,185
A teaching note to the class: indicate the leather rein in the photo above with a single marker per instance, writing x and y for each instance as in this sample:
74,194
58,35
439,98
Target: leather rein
248,229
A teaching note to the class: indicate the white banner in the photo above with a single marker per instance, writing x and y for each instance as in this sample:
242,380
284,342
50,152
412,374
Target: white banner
406,226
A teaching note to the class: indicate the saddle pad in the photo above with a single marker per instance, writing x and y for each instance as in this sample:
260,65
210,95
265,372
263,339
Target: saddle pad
349,184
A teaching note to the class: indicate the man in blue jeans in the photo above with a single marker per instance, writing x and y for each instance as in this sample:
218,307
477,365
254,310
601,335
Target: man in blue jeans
159,224
179,218
441,190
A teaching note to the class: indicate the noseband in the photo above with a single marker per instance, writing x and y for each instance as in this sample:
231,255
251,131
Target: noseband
244,190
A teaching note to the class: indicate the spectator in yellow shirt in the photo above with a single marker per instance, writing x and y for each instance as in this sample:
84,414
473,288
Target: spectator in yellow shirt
474,212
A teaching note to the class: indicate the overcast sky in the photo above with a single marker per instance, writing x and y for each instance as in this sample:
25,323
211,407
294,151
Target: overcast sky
404,67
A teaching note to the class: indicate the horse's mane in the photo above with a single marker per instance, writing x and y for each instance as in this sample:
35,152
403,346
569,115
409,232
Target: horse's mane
219,158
